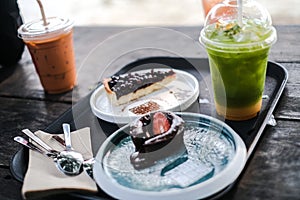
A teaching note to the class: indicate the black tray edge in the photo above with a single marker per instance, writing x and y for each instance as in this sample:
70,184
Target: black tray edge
269,114
21,154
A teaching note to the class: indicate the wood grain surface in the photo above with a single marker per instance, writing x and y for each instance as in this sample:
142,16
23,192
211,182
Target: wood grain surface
271,173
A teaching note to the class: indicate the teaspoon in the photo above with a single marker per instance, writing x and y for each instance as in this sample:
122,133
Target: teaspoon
69,161
32,146
66,164
35,148
88,164
40,142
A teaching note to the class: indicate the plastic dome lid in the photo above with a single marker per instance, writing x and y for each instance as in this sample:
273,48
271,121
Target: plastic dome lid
224,27
36,30
228,10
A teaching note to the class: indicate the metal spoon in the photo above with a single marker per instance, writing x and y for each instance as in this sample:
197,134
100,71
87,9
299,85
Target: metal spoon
69,161
33,147
68,165
40,142
88,164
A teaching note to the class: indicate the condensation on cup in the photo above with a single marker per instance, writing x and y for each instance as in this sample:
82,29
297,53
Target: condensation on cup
52,52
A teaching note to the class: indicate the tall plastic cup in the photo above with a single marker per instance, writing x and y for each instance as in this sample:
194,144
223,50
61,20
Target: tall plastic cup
52,52
238,56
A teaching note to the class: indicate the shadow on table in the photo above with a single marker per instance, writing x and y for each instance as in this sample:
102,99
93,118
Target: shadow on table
7,71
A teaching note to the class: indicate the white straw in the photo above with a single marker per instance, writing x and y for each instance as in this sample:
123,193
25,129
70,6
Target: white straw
240,12
43,12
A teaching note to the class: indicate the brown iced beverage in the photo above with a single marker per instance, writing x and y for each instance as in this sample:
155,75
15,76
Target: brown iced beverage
52,52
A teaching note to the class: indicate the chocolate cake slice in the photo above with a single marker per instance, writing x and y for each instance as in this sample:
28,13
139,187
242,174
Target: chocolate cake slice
125,88
156,136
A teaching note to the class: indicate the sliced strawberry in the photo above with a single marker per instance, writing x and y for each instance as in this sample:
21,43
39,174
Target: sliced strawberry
160,123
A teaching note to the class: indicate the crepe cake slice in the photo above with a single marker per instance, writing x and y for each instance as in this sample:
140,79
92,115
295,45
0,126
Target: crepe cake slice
127,87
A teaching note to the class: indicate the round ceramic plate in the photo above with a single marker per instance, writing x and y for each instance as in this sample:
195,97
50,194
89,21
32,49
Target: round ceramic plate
215,156
178,95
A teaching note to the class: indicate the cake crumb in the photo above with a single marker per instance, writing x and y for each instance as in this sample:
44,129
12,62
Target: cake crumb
145,108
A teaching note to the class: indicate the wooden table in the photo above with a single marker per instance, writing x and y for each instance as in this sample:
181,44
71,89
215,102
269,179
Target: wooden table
271,173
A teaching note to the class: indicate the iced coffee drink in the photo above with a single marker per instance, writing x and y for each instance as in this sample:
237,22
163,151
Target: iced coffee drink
51,50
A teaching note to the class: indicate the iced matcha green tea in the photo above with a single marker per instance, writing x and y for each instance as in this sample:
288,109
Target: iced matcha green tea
238,55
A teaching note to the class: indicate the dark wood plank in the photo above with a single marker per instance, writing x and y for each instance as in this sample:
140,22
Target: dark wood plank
273,171
287,47
289,105
17,114
10,188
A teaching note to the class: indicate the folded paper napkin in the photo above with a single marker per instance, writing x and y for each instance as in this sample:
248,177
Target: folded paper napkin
43,177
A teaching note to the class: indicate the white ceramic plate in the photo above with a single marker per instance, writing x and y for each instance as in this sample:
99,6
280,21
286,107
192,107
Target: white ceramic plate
216,156
178,95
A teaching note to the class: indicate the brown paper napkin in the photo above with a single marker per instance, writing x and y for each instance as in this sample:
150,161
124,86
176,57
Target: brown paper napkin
43,178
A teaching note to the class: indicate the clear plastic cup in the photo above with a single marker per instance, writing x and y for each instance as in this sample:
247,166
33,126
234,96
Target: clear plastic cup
52,52
238,55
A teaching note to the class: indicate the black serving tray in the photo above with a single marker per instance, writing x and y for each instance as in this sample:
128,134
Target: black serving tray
80,115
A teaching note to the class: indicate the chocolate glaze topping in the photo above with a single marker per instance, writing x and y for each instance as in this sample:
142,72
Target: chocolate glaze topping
150,146
125,84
